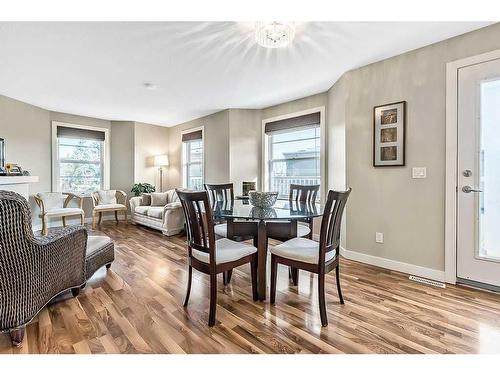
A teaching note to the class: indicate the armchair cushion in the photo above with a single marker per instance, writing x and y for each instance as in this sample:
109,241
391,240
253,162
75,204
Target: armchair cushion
64,211
51,200
106,197
159,199
116,206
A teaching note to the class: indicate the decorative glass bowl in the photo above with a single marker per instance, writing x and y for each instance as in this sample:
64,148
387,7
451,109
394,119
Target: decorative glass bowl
262,199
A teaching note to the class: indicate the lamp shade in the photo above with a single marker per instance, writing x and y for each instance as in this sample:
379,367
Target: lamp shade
161,161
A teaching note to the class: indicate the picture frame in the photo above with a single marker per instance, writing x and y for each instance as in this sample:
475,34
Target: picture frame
389,134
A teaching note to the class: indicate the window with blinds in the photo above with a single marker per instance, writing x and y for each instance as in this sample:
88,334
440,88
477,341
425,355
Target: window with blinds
192,160
80,160
293,153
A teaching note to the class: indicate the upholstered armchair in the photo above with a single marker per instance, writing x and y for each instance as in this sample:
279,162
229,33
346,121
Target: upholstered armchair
54,205
108,201
33,270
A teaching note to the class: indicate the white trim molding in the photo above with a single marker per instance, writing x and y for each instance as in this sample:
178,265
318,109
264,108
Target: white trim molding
183,153
394,265
450,242
264,182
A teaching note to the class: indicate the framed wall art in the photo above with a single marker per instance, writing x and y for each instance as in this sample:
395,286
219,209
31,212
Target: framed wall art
389,126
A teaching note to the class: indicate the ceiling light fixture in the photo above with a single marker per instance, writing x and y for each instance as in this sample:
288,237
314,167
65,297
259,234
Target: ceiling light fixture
274,34
150,86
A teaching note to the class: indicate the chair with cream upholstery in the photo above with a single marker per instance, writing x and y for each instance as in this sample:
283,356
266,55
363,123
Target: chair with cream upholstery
208,255
57,205
309,255
220,193
108,201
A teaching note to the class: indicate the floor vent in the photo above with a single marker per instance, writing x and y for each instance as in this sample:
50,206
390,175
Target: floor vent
421,280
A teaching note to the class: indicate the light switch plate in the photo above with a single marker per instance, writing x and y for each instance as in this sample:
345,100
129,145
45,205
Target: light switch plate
419,172
379,237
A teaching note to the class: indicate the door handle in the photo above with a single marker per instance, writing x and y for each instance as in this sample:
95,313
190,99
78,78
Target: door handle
468,189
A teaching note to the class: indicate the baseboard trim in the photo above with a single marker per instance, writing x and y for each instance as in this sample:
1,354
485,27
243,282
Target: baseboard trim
394,265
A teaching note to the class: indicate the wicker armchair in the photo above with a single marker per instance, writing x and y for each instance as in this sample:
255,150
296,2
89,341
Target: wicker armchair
33,270
54,205
108,201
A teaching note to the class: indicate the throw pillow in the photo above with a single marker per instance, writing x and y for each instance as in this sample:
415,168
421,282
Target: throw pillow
158,199
146,199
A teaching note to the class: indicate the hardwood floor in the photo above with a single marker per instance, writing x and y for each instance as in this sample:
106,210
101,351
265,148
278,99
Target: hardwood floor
136,307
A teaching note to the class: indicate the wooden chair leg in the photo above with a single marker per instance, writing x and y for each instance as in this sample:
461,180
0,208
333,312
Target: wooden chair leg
100,218
188,291
322,299
93,220
295,276
17,336
253,269
310,235
82,219
75,291
126,221
337,275
64,221
274,275
213,300
226,276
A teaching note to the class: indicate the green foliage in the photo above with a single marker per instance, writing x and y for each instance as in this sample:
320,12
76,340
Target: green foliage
142,187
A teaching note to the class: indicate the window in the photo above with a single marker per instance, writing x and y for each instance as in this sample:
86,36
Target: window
79,164
293,153
192,145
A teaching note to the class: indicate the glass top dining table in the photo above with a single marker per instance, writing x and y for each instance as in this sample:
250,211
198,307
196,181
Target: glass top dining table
279,222
282,210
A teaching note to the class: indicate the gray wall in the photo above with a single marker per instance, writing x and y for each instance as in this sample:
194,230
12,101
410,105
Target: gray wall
245,145
216,142
409,212
149,140
122,155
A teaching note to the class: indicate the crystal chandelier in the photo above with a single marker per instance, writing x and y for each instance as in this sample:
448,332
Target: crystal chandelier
274,34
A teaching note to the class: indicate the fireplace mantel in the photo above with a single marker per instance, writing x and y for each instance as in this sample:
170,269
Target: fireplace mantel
19,184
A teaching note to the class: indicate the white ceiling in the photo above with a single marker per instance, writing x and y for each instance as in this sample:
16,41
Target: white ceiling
99,69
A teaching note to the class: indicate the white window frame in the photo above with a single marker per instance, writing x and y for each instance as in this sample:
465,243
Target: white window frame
55,153
322,152
183,156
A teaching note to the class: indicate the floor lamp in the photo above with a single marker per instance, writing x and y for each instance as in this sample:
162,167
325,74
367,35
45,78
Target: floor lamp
160,162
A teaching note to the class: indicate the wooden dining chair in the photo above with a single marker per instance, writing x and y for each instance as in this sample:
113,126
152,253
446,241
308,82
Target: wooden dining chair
220,193
319,258
304,195
208,255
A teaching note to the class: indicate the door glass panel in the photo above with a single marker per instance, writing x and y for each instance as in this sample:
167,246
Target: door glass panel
488,202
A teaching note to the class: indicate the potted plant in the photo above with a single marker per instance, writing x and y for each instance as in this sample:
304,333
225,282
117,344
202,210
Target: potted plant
142,187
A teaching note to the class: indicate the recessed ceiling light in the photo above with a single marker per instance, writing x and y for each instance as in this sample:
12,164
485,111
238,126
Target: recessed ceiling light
150,86
274,34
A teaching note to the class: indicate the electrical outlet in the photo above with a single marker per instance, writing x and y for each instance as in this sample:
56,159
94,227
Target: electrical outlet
379,237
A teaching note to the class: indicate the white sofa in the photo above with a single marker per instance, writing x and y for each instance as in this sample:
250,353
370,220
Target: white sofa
168,218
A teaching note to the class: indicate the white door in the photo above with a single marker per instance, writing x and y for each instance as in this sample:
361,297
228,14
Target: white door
478,234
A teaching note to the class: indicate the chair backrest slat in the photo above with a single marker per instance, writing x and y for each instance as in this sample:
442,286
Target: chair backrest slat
303,193
220,192
331,222
199,222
